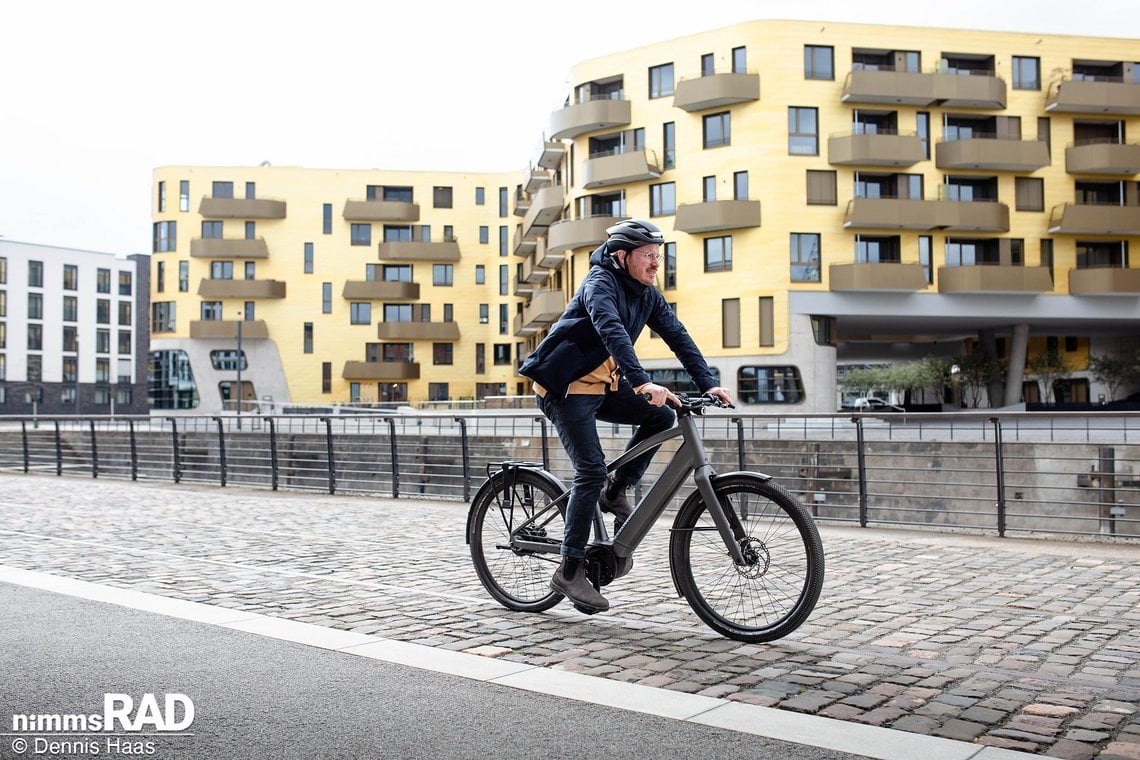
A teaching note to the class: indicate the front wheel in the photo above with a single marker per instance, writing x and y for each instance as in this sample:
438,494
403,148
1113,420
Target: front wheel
775,591
517,505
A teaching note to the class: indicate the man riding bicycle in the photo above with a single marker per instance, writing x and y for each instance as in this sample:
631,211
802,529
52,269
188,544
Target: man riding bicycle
586,370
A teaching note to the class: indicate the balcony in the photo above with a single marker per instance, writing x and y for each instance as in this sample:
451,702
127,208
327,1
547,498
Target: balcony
545,208
1092,96
523,244
992,278
1103,158
241,208
381,371
1089,219
522,202
380,290
226,329
716,91
550,153
536,179
544,257
981,90
523,288
712,216
580,118
877,149
532,272
1104,281
418,250
418,331
519,330
992,153
219,288
620,168
578,233
544,308
878,276
228,248
911,214
381,211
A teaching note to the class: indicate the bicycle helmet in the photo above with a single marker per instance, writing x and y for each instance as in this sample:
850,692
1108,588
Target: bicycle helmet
632,233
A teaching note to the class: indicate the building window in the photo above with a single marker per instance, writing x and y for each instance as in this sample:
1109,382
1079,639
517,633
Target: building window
480,196
326,377
326,218
221,270
227,360
504,203
222,190
717,130
326,298
502,354
819,62
872,249
124,312
708,65
103,311
708,189
730,322
663,199
805,256
767,321
361,234
803,131
1026,73
165,237
70,277
1030,193
670,265
480,274
163,316
183,276
718,254
769,385
484,234
103,340
442,353
441,197
126,283
925,252
35,306
661,80
211,311
504,319
103,281
740,186
251,230
212,230
821,188
922,126
669,143
442,274
124,341
397,312
1047,256
484,313
503,242
70,309
184,197
308,265
160,276
360,313
504,280
307,338
739,60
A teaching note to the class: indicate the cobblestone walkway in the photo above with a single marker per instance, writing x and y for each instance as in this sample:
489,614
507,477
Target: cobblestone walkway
1031,645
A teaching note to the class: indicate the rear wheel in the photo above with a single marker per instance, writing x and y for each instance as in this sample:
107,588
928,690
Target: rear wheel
773,593
518,505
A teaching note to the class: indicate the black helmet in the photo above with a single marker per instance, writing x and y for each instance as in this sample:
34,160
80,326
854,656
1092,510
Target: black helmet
633,233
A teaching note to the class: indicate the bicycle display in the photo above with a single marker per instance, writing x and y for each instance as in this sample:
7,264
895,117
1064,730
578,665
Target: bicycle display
743,552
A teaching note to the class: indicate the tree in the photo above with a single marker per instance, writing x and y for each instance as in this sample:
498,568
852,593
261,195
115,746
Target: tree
1113,372
974,372
1048,367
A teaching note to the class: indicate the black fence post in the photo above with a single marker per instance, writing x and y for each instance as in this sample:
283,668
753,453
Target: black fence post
177,457
862,455
545,445
739,442
1000,462
221,452
94,451
466,458
58,450
273,466
134,451
24,438
331,456
395,457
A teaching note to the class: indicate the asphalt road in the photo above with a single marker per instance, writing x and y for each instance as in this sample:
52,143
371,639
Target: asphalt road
257,697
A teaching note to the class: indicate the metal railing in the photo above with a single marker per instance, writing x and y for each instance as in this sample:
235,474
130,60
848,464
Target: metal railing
1003,472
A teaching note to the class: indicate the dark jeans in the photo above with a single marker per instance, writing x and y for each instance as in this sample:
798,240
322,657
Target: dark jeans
575,418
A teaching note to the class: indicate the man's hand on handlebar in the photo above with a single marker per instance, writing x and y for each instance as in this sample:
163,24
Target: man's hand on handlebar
659,395
722,395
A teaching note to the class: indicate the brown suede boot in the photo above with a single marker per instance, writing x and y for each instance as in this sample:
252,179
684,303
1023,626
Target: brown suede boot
570,580
614,501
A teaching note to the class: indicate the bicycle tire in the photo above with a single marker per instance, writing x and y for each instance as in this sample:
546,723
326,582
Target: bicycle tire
517,579
767,599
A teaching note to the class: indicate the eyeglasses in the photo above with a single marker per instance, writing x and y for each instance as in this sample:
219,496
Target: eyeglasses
650,257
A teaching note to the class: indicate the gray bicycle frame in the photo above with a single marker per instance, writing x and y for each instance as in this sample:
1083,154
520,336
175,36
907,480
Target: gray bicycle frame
689,458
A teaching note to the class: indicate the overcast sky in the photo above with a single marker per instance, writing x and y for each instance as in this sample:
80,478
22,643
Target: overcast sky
95,95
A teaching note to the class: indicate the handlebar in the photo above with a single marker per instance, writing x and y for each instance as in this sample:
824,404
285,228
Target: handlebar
696,403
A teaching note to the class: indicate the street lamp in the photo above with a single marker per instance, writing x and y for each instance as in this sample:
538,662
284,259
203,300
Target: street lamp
238,392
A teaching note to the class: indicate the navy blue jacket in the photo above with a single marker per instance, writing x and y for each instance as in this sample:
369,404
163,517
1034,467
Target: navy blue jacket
604,319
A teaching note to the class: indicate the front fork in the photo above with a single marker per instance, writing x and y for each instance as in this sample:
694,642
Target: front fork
726,520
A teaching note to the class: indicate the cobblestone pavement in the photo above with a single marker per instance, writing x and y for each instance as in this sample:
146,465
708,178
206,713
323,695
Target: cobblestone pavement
1031,645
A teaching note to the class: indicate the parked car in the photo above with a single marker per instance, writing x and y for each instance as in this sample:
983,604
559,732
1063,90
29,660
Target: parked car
872,404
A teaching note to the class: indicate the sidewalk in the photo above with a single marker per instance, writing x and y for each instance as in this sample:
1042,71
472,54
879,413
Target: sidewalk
1027,645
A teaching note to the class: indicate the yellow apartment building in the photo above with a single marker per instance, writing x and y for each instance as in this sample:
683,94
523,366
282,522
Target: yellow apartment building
833,195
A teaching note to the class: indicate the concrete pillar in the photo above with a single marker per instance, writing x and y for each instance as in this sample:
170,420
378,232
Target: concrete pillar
1018,350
